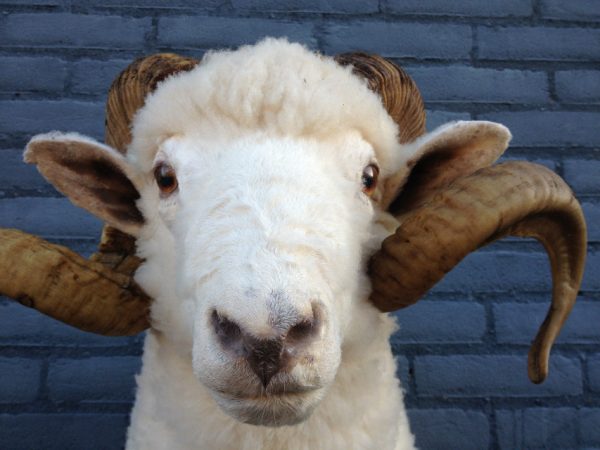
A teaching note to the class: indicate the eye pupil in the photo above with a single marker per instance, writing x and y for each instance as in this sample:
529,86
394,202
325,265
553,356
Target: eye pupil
369,178
165,178
166,181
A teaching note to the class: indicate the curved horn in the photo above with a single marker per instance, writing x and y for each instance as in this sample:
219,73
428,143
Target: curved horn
399,94
60,283
129,90
516,198
97,295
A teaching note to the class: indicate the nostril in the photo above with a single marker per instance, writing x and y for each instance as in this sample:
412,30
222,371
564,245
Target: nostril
301,331
225,328
306,328
229,334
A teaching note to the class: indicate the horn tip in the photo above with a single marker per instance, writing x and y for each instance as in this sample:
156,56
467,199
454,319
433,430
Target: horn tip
537,378
537,366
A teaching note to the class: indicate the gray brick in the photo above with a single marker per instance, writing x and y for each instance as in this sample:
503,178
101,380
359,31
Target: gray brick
583,175
14,173
517,323
162,4
449,428
537,428
24,326
31,2
219,32
39,116
48,217
510,271
402,371
437,118
578,86
441,322
19,323
73,30
54,332
591,276
591,212
550,128
544,427
588,420
95,77
109,378
476,85
489,8
23,73
19,379
593,372
539,43
496,375
394,39
573,9
327,6
65,431
499,272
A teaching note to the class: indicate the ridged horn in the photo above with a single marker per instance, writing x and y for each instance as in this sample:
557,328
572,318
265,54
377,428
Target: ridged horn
398,92
60,283
515,198
129,90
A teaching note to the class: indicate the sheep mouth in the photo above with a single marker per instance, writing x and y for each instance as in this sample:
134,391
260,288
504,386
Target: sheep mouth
272,391
274,409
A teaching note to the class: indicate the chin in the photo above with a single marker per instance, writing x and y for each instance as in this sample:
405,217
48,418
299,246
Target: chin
270,410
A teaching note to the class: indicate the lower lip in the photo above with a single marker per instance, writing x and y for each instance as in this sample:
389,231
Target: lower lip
279,395
272,411
265,396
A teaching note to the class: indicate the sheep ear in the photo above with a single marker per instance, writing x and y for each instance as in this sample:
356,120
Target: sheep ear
92,175
436,159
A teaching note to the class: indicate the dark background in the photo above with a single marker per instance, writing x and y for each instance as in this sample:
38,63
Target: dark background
532,65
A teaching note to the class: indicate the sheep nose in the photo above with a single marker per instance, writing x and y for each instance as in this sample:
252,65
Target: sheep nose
266,357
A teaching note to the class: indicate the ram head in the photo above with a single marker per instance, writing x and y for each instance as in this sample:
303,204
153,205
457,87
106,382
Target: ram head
352,176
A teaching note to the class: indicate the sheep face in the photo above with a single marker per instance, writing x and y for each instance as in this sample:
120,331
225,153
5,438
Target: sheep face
263,239
267,235
251,189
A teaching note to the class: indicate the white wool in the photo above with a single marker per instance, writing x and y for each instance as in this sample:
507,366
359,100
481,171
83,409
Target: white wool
275,86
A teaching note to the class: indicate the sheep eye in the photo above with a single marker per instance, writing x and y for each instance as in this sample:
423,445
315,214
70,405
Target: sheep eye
369,178
165,178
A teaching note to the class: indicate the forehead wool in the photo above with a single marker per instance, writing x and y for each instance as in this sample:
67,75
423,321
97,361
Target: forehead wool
275,87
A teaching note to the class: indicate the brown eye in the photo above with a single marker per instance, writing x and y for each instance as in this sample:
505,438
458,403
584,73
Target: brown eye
165,178
369,178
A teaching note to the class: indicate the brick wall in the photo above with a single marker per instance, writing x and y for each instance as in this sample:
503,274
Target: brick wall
530,64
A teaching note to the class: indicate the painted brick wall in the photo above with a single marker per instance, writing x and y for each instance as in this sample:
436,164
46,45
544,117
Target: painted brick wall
533,65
